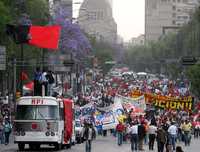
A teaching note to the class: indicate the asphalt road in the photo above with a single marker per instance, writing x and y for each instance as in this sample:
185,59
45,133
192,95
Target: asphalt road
102,144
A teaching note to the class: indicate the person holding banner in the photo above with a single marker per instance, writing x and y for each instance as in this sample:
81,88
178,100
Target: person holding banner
120,128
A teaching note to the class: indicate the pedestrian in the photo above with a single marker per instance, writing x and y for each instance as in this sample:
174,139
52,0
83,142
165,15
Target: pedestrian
120,128
179,149
134,136
1,132
88,135
152,135
141,134
161,139
186,127
44,83
173,131
38,82
50,79
7,131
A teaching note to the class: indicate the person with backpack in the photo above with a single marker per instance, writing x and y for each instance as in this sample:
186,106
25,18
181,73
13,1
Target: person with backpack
7,131
88,135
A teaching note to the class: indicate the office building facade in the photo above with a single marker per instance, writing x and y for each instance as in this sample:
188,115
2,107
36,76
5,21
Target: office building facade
164,16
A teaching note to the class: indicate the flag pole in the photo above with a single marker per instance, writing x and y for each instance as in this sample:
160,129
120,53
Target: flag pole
22,68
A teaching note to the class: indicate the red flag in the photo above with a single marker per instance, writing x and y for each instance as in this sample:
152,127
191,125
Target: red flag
45,36
24,76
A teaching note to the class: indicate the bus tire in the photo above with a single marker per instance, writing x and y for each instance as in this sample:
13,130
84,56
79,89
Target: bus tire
34,146
58,146
21,146
69,145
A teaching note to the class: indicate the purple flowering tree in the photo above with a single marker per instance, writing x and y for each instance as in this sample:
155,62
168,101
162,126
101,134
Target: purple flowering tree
72,38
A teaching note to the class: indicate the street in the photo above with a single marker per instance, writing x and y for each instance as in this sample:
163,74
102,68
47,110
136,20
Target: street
101,144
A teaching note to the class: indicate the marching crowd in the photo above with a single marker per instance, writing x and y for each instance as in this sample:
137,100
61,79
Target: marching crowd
162,126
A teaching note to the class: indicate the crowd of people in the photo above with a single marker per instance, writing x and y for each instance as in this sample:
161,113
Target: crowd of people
165,126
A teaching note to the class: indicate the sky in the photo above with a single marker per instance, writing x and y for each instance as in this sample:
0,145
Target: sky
129,15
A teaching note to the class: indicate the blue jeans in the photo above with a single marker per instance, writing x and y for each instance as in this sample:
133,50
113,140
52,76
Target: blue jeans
172,141
88,146
187,138
134,142
120,138
2,137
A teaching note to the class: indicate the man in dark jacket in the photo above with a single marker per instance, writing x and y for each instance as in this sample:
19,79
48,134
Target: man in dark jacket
141,135
161,139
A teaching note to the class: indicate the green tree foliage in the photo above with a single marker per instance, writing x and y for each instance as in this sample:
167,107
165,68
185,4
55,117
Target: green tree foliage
194,76
157,55
10,13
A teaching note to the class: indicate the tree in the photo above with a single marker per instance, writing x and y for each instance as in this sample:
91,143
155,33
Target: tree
72,38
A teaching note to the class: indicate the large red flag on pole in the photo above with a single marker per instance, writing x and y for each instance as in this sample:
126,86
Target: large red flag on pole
45,36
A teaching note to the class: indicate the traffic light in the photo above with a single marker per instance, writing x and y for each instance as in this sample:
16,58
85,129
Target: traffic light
188,60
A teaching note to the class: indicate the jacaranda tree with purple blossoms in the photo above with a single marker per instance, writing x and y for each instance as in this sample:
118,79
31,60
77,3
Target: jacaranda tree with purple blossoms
72,38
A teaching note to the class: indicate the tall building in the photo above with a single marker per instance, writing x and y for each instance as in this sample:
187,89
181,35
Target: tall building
96,18
137,40
65,3
163,16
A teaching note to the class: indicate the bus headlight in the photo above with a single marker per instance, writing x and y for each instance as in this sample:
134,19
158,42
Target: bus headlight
52,134
47,133
17,133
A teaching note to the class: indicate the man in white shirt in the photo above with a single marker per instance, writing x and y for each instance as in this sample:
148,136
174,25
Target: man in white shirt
173,130
134,136
152,135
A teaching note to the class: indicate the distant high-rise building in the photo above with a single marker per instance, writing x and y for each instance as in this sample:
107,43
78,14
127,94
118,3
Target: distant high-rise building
65,3
163,16
96,18
137,40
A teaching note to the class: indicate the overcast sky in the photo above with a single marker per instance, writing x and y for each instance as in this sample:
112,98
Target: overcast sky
129,15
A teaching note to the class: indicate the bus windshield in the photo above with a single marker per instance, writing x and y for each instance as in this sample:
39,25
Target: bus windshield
29,112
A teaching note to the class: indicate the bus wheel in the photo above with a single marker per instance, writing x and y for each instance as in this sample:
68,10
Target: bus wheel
21,146
58,146
34,146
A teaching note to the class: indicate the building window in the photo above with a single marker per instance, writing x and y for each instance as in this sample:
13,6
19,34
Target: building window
173,14
173,22
178,1
173,7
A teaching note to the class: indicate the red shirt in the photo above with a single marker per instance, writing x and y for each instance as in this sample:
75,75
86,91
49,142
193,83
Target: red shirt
120,128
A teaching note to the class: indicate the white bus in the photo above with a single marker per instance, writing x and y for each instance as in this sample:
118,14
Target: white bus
44,120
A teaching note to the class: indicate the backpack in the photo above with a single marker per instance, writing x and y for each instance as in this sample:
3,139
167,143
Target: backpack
7,128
